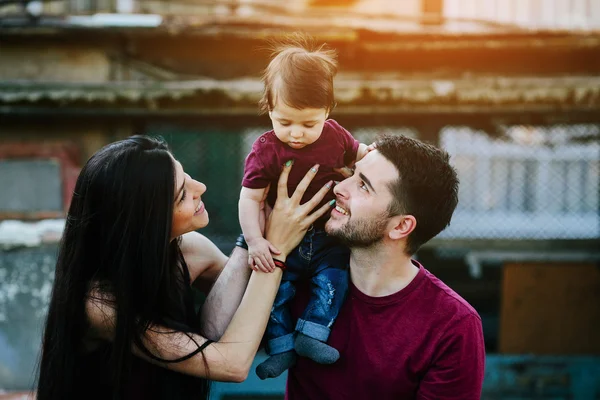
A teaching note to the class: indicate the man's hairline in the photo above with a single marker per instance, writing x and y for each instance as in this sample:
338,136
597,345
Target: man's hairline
390,184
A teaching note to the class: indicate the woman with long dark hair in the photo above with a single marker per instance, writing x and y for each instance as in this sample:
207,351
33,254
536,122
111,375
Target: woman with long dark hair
121,322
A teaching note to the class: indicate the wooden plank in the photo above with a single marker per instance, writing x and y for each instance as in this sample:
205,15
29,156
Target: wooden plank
550,308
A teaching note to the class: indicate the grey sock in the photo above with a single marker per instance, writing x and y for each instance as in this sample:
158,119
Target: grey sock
315,350
274,366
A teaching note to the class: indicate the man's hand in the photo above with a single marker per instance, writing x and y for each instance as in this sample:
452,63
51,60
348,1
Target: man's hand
289,220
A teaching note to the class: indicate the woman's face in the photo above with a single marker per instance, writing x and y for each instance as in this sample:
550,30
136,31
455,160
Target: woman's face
189,213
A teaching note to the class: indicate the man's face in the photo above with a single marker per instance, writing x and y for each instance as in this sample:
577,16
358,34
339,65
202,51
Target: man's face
361,217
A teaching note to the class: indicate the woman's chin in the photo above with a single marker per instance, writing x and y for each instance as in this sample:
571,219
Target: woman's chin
203,222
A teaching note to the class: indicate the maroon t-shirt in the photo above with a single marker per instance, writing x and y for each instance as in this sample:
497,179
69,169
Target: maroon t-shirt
333,149
423,342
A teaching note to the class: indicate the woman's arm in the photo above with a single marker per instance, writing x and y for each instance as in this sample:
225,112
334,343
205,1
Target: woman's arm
231,357
226,360
225,295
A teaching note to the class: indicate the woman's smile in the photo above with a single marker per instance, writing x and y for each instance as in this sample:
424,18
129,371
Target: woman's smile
200,209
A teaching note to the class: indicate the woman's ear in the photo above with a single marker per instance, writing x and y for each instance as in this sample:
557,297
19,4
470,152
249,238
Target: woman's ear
403,225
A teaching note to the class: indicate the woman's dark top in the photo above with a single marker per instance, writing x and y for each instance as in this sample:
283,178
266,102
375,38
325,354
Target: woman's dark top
146,381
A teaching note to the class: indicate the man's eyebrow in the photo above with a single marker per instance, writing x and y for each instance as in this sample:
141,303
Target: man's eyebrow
180,189
367,181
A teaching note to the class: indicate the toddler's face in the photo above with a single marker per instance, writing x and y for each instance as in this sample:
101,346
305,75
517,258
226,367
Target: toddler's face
297,127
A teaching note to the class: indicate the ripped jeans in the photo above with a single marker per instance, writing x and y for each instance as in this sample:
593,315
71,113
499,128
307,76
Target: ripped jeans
325,261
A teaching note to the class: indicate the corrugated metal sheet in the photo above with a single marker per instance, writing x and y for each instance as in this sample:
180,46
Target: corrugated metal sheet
584,91
16,92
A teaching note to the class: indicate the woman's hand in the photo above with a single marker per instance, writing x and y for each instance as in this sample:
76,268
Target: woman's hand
289,220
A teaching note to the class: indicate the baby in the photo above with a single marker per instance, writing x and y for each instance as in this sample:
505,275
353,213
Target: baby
298,97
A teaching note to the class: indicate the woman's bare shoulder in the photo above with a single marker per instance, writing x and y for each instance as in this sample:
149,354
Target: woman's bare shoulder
202,256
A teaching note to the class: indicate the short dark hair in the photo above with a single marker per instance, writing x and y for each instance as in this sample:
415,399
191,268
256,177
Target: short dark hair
300,74
426,188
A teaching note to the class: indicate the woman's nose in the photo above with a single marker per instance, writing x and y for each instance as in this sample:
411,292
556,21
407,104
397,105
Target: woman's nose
200,188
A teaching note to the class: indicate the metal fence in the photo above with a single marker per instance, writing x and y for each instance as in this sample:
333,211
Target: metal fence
530,183
525,182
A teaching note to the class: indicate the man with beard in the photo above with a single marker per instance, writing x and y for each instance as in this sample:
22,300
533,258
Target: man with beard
401,333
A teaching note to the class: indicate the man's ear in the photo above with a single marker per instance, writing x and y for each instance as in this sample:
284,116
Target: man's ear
403,225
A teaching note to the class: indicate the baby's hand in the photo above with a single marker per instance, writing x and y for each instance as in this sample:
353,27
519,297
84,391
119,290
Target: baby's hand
348,170
259,254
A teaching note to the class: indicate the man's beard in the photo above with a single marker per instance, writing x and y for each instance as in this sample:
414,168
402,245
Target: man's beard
361,233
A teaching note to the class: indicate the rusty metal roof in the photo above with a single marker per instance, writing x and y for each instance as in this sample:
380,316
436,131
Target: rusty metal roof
31,92
350,90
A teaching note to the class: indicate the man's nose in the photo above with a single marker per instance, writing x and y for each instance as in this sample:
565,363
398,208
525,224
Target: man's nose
340,189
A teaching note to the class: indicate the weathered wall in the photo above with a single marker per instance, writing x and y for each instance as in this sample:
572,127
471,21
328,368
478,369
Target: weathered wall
53,62
86,136
26,277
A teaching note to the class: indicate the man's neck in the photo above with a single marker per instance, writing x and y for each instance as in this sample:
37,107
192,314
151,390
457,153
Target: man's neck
381,270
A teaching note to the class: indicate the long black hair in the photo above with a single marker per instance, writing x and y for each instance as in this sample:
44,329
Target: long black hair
116,240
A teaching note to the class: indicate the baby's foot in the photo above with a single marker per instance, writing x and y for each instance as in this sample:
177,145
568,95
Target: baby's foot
315,350
274,366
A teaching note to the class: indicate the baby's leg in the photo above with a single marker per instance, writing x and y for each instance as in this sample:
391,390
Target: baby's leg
279,335
329,289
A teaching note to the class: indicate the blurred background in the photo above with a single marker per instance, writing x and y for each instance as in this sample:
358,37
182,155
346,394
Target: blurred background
511,88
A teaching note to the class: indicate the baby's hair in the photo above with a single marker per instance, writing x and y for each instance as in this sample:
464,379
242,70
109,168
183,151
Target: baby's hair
300,74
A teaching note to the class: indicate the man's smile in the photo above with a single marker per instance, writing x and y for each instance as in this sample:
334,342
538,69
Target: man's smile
341,210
